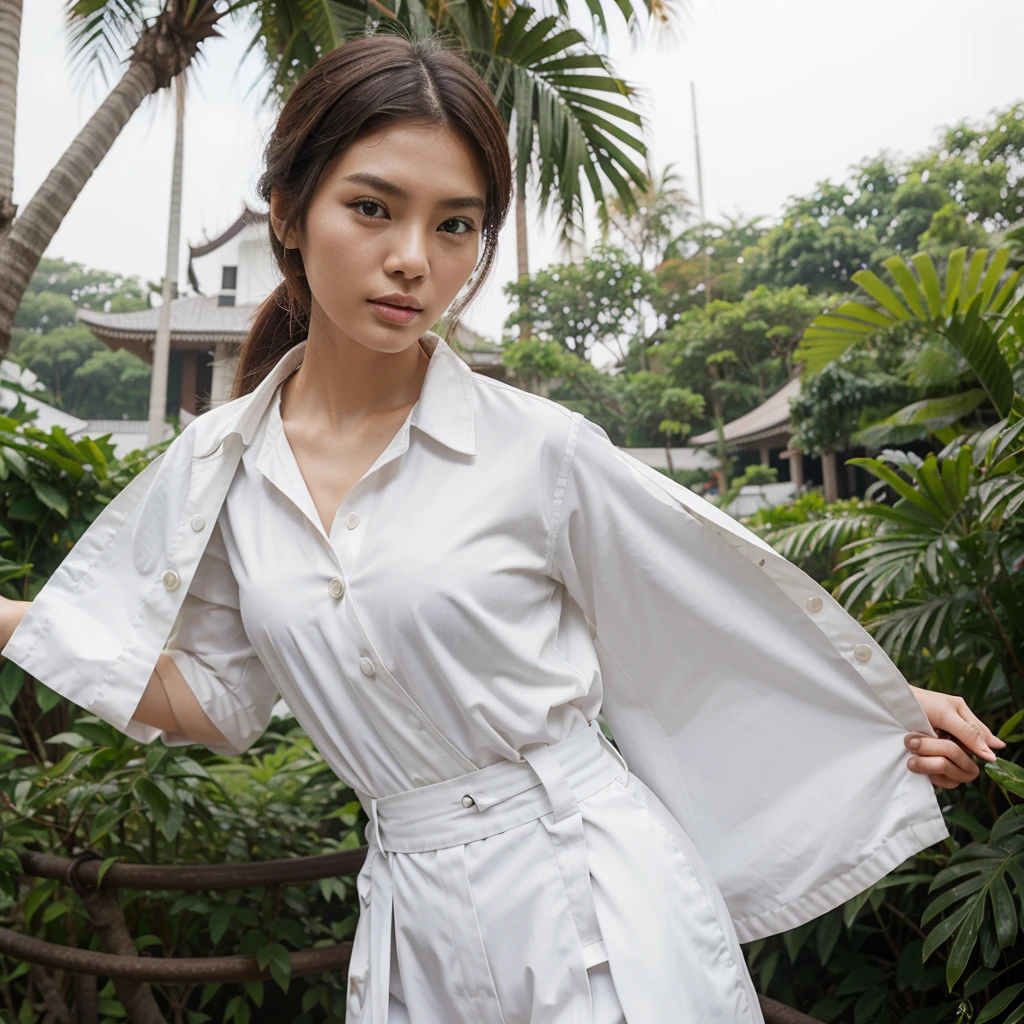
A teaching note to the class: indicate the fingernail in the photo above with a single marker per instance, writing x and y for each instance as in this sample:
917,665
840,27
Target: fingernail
988,751
914,742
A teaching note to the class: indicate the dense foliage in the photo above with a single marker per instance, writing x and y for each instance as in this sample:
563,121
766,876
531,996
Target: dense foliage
82,376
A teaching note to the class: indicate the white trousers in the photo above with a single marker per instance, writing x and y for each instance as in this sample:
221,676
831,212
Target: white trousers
607,1008
551,890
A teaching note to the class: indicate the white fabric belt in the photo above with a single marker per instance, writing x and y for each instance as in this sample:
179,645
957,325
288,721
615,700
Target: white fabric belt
547,784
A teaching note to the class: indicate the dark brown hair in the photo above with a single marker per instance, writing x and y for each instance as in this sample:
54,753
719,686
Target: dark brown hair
354,90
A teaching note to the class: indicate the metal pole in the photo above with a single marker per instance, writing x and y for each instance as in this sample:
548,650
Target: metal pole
700,192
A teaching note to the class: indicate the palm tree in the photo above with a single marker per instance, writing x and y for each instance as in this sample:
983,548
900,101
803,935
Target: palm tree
164,46
661,204
10,33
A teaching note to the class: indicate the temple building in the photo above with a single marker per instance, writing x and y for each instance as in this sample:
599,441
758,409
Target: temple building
763,435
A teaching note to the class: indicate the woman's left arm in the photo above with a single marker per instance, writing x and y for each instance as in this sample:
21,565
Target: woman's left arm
946,759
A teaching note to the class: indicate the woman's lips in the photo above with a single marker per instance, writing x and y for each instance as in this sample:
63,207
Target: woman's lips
393,314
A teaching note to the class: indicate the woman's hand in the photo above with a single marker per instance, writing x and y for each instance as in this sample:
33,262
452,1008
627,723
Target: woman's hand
946,759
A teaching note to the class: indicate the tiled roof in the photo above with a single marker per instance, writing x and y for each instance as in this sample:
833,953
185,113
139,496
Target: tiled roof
769,418
195,318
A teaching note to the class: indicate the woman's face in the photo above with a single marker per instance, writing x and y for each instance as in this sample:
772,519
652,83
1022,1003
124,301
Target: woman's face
392,234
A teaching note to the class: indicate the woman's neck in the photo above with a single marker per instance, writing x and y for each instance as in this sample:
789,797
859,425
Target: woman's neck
340,383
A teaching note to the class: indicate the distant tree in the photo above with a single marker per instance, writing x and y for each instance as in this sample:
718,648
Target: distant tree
969,184
703,255
736,354
595,302
82,376
644,230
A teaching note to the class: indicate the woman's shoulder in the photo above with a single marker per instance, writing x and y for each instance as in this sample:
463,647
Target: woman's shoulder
520,415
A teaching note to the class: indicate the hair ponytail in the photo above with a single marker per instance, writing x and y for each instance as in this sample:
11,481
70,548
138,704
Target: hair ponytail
355,89
280,323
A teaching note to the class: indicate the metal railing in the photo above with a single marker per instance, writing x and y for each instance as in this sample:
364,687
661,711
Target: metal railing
132,974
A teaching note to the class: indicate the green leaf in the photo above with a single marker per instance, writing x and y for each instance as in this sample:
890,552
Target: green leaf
46,698
51,497
992,275
1004,912
997,1005
104,867
908,285
974,270
881,293
954,278
1010,724
930,283
900,486
974,340
963,944
154,798
1008,775
12,678
219,921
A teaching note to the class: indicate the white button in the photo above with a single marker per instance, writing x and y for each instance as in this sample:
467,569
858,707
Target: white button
413,719
814,604
417,780
357,988
862,652
198,522
468,801
171,579
336,587
367,667
352,520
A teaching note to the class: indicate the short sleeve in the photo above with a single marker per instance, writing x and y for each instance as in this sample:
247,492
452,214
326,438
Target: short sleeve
210,648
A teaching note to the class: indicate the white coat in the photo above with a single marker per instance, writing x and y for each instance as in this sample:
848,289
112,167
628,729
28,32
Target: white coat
520,575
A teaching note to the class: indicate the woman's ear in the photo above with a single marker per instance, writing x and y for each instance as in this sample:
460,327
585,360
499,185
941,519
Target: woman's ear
278,213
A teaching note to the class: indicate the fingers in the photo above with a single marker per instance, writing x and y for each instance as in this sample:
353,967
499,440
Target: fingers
960,722
937,756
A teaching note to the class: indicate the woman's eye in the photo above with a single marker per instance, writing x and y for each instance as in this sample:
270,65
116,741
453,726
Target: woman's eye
456,222
367,206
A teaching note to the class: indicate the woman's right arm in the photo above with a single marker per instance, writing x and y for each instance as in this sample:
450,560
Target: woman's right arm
167,703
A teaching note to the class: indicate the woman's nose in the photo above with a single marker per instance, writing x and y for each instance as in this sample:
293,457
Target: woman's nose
408,253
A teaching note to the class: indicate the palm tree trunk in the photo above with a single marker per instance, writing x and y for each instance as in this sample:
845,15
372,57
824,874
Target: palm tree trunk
162,342
10,41
32,232
521,252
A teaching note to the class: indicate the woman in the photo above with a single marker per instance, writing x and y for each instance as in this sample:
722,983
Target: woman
447,579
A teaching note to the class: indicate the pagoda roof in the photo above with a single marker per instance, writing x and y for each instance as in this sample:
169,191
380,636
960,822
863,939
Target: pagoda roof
195,320
769,419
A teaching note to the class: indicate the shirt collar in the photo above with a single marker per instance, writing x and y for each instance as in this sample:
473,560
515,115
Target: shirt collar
444,409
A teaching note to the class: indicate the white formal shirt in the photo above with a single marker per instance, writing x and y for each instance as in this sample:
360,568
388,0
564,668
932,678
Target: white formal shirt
428,614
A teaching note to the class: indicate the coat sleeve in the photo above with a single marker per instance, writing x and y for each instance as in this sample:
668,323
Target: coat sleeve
210,648
763,716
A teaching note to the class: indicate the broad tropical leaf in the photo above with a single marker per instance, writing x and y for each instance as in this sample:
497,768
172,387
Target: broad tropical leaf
973,315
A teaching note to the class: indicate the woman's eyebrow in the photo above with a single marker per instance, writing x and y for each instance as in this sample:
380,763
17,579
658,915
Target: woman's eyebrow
373,181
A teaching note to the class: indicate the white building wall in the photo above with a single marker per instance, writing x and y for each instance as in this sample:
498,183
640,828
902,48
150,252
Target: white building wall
250,251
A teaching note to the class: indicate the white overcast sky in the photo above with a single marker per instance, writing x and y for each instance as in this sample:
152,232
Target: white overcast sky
789,92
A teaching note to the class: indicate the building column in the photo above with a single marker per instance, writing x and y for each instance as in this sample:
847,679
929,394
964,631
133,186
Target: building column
225,362
766,455
187,395
828,473
796,465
